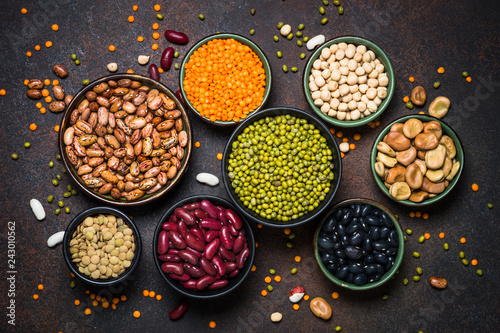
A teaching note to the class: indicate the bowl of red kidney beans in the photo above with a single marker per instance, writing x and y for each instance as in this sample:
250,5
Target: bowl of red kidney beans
203,247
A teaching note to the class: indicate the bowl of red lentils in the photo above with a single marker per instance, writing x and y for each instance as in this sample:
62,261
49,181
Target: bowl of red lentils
224,78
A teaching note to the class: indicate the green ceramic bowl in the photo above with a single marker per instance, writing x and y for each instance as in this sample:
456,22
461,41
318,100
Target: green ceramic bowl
380,54
446,130
255,48
399,257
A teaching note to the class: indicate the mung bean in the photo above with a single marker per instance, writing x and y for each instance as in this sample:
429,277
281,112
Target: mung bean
421,239
305,39
77,62
419,271
280,25
57,211
59,177
385,297
201,17
409,105
324,20
341,10
74,192
50,198
293,271
405,282
490,206
290,36
272,271
64,170
409,231
73,56
27,145
294,69
55,182
465,74
176,66
446,246
51,164
61,204
252,32
85,82
479,272
337,328
279,54
336,2
276,38
252,11
436,84
269,287
325,2
69,187
291,236
176,54
416,278
58,157
299,43
461,254
301,26
285,68
14,156
298,34
159,16
322,10
67,194
72,284
465,262
416,254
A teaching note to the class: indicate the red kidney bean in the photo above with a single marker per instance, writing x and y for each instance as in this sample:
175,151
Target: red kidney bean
169,226
240,259
169,257
226,238
185,215
219,265
192,206
179,96
207,266
189,257
173,251
234,273
193,271
200,214
230,266
211,235
183,277
210,224
172,268
234,219
212,248
238,245
232,230
198,234
179,310
163,242
194,252
153,72
176,37
166,58
210,209
218,284
222,215
182,229
226,254
190,284
176,239
174,218
204,282
194,242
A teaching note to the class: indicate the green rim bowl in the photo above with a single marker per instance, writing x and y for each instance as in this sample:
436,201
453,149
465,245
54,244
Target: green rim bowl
384,59
399,257
446,130
106,198
337,169
255,48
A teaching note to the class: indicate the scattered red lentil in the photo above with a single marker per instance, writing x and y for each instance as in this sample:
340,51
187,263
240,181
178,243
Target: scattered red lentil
154,47
352,146
463,240
254,268
160,70
26,81
219,156
357,136
287,231
297,258
411,79
95,303
131,19
335,295
339,134
267,279
88,311
140,39
306,297
112,48
40,286
55,27
130,71
421,112
468,79
441,235
3,92
47,83
345,139
152,294
24,10
35,297
377,123
342,154
406,99
48,44
440,70
135,8
296,306
113,306
105,304
425,216
115,300
145,292
33,127
412,214
475,187
427,235
92,296
263,292
38,105
157,7
29,54
56,128
86,291
259,225
155,26
418,214
212,324
48,99
158,297
43,110
473,262
197,144
37,48
332,130
137,314
123,297
77,302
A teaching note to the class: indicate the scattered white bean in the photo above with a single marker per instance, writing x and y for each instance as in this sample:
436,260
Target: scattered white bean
112,67
55,239
143,59
344,147
285,30
315,41
276,317
207,178
37,208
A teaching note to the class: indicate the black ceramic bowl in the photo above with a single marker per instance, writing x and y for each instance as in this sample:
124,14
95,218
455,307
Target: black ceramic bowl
125,276
337,169
234,282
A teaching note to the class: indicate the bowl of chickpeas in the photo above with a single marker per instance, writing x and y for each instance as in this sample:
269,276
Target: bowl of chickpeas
349,81
224,78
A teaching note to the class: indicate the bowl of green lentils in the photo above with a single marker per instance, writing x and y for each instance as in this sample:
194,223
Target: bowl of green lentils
281,167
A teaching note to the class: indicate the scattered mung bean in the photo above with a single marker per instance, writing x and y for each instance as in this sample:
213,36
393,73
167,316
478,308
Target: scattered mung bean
55,182
285,68
73,56
305,39
27,145
57,211
160,16
465,262
446,246
276,38
322,10
77,62
436,84
280,25
85,82
14,156
490,206
51,164
59,177
252,11
301,26
409,231
50,198
341,10
416,278
293,271
298,34
465,74
405,281
421,239
416,254
290,36
61,204
299,43
294,69
419,271
409,105
461,254
479,272
67,194
269,287
279,54
302,55
272,271
176,54
252,32
324,20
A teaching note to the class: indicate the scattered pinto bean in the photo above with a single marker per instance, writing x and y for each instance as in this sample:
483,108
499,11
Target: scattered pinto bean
34,93
57,106
60,71
438,282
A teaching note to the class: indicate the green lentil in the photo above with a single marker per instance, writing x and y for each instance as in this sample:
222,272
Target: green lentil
341,10
293,271
72,284
252,32
290,36
416,278
301,26
58,211
59,177
324,20
336,2
409,105
409,231
465,262
490,206
176,66
279,54
305,39
73,56
421,239
436,84
61,204
269,287
479,272
322,10
325,2
51,164
291,236
201,17
465,74
299,43
74,192
276,38
50,198
385,297
302,55
289,245
14,156
446,246
272,271
67,194
77,62
58,157
461,254
419,271
298,34
27,145
160,16
294,69
285,68
280,25
176,54
337,328
405,282
55,182
252,11
85,82
416,254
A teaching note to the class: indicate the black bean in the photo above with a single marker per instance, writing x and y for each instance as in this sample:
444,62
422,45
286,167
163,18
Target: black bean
377,212
345,240
352,252
334,237
353,227
384,232
367,244
374,233
363,224
346,218
338,214
369,259
342,261
391,251
340,230
394,238
337,245
356,210
329,224
342,273
373,220
355,268
370,269
377,277
356,239
381,259
365,210
388,266
328,258
325,242
386,220
350,278
381,245
360,279
340,253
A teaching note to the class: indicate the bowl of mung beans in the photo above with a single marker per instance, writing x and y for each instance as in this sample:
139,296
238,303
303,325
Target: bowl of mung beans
102,247
281,167
359,244
224,78
417,160
125,139
348,81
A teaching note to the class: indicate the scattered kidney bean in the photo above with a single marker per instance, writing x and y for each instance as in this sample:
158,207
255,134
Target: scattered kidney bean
179,310
179,96
166,58
153,72
176,37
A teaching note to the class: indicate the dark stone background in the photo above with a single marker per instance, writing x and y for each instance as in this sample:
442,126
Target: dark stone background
418,36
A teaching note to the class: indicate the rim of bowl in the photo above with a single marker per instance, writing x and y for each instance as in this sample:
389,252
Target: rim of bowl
79,219
107,199
336,160
399,258
460,156
233,283
243,40
381,55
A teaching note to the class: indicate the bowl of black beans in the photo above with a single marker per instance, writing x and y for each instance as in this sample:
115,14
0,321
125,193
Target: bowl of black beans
359,244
